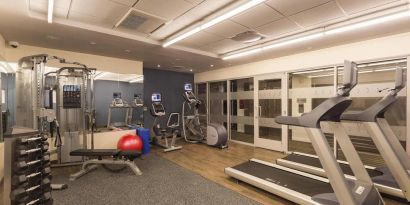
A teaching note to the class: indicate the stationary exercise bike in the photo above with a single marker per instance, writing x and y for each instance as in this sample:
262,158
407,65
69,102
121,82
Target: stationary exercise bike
162,134
192,130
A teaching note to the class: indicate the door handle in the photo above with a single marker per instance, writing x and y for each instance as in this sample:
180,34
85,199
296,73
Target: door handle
260,111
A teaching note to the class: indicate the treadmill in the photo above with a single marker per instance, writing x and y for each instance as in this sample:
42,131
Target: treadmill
304,188
392,179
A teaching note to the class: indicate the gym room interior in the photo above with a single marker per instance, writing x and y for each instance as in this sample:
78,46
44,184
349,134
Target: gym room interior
204,102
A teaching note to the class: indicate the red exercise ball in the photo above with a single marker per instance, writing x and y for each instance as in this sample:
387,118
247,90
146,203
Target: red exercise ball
129,142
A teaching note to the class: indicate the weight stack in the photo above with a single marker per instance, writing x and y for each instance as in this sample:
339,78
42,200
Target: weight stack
27,173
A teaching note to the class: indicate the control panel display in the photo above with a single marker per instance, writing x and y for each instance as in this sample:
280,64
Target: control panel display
188,87
156,97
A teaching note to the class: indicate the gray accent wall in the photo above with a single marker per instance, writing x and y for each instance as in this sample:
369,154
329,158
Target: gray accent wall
104,90
170,85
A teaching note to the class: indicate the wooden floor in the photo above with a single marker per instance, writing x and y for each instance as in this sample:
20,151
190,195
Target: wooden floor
210,162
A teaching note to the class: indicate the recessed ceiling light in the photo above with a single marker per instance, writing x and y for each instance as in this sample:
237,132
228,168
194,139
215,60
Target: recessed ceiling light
127,51
158,66
191,70
212,65
92,43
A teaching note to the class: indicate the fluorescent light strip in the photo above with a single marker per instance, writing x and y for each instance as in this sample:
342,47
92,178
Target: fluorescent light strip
312,71
231,13
351,27
50,11
101,75
367,23
139,79
284,43
360,72
214,21
381,63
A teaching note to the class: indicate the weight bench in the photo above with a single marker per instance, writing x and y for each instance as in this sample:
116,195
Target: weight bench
119,157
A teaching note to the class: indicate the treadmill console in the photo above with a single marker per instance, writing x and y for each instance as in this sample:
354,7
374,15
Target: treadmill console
138,101
157,107
117,101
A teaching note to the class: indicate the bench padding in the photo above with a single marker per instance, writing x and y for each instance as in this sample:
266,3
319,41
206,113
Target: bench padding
104,153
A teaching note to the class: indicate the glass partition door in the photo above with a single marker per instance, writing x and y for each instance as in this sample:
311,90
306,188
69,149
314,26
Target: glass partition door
241,110
270,101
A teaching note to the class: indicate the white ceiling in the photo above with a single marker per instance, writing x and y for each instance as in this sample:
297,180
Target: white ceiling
79,22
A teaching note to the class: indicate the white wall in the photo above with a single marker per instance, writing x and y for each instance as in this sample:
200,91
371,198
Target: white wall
102,63
389,46
2,50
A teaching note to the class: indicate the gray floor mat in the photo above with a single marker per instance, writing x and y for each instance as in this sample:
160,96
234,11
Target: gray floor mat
162,182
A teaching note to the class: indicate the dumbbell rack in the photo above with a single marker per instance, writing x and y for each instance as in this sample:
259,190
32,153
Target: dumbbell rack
27,177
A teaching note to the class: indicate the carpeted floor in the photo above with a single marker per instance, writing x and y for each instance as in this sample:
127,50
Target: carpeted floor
162,182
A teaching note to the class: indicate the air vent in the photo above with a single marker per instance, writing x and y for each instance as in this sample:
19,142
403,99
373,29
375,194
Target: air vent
139,21
133,21
247,37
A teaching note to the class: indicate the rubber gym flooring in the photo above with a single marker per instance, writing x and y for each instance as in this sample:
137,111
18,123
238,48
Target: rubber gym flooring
162,182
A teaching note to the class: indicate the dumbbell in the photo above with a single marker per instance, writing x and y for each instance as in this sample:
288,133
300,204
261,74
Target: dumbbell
41,198
44,186
20,179
23,150
25,141
23,165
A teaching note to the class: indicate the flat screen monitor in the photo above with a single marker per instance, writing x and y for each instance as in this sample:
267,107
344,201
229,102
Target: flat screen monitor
116,95
156,97
188,87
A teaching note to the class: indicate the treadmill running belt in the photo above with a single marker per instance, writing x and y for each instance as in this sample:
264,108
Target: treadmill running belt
314,162
286,179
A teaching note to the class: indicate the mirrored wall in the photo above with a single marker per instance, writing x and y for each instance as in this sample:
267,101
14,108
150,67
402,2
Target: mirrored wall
218,105
7,95
307,89
375,79
254,102
242,110
201,94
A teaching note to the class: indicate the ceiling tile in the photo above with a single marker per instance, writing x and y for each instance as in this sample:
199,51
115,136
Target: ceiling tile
200,39
61,7
257,16
223,46
125,2
277,28
319,14
226,29
102,12
353,6
289,7
164,8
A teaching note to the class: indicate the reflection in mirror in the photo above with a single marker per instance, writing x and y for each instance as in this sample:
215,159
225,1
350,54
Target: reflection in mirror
201,93
7,95
218,102
374,81
118,101
307,89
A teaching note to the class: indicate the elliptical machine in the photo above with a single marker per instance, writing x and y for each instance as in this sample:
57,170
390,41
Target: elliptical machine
192,130
162,134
